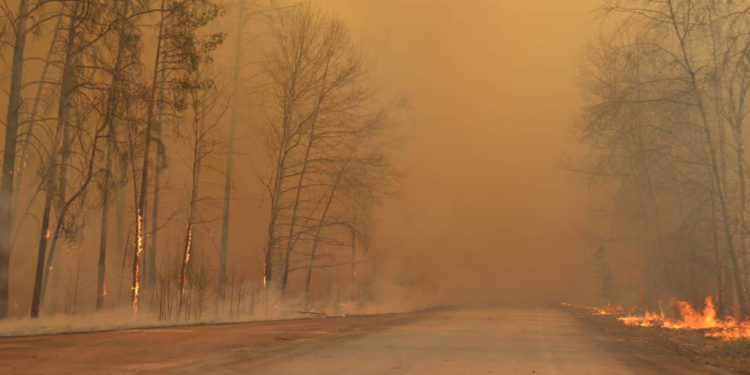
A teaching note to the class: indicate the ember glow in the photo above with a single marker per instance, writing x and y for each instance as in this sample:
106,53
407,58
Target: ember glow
610,309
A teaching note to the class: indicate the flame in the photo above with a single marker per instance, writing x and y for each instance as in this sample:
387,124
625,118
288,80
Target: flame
689,318
189,246
692,319
265,278
138,254
648,319
186,260
727,329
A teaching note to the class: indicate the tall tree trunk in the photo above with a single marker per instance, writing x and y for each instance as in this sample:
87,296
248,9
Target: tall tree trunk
112,110
193,205
738,133
149,264
229,169
102,264
720,297
44,265
9,155
34,115
120,240
140,208
353,256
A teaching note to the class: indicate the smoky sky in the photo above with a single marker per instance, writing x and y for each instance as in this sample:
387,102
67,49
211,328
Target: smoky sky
485,213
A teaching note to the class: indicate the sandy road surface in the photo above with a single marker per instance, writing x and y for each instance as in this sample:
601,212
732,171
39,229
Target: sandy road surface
503,341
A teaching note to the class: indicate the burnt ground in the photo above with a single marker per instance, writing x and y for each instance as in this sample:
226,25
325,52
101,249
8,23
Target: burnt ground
689,344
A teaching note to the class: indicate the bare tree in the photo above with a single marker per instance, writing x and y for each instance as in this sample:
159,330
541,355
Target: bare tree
323,120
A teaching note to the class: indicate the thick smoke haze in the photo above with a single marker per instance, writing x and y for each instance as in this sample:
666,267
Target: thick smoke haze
485,213
375,186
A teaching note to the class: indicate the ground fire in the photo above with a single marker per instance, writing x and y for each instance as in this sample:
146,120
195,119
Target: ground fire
689,318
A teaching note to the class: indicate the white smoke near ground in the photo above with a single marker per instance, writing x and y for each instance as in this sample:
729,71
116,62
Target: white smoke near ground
249,303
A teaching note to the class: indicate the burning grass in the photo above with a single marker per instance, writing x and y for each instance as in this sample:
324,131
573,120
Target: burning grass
689,318
699,335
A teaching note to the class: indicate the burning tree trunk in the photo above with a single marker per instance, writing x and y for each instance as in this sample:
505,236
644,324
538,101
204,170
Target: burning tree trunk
83,60
176,57
203,100
197,156
140,208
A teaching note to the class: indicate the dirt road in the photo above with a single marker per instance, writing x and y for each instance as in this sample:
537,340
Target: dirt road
502,341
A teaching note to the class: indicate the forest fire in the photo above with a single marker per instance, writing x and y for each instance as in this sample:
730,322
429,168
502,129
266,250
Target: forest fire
727,329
